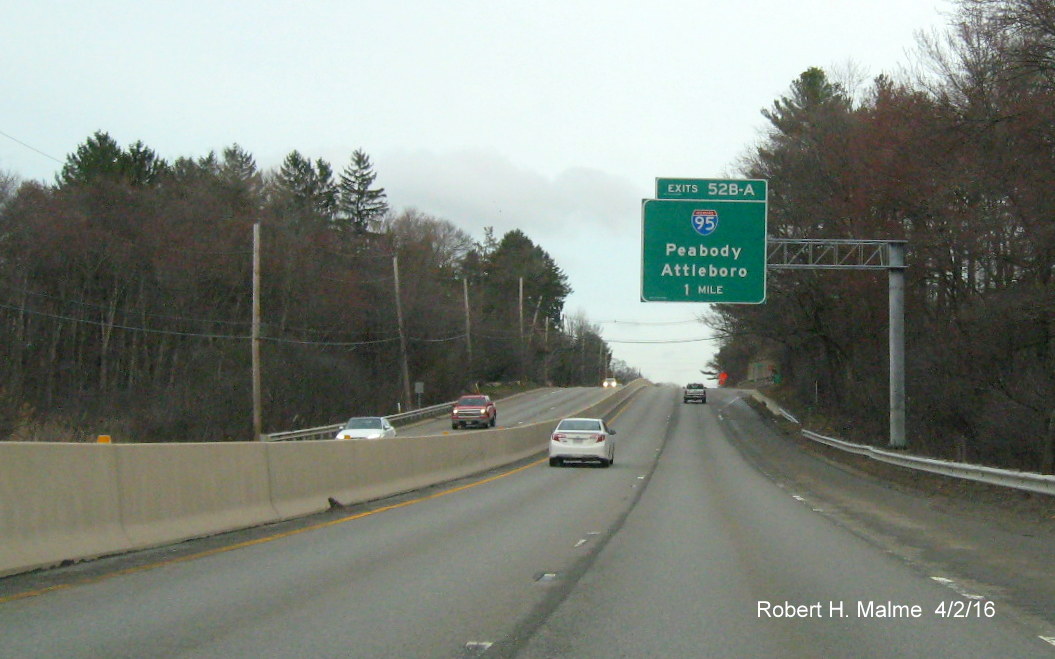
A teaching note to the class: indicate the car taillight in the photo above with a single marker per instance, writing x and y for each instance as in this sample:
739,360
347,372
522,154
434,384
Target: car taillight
557,437
598,438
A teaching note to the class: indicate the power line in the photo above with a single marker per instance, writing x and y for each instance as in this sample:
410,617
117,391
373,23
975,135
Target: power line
659,341
331,344
31,148
145,314
275,339
642,322
99,323
271,339
446,340
341,280
81,303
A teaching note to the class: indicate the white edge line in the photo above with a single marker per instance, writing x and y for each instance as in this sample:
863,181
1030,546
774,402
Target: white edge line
953,586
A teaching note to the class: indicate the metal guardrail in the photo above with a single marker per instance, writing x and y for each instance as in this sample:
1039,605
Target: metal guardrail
1019,480
329,432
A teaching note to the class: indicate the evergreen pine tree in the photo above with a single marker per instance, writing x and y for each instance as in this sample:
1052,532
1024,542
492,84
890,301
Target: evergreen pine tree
240,180
99,157
359,204
309,189
141,165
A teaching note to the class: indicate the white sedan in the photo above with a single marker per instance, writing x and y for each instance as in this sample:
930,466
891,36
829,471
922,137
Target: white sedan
582,440
366,427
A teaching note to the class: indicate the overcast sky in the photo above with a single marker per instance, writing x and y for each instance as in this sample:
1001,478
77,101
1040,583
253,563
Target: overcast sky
551,116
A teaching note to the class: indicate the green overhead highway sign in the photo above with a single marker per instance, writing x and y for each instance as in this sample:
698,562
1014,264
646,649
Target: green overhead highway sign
706,245
711,188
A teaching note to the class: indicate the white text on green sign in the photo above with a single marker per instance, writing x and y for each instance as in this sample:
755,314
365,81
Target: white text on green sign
703,251
717,189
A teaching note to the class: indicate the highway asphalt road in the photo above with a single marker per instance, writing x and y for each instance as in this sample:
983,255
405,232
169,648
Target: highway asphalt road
691,545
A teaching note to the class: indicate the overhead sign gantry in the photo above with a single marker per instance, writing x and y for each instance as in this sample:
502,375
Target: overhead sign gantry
704,240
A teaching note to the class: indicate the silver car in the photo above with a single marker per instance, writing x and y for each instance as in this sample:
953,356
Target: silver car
582,440
366,427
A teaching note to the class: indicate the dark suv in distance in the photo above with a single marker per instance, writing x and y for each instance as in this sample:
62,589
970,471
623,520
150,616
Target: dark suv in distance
694,392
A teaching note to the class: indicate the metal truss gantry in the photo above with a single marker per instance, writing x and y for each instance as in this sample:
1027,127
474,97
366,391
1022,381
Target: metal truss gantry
889,255
790,254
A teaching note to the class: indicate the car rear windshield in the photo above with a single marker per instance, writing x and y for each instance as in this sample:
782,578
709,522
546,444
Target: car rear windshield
473,400
363,423
694,386
579,424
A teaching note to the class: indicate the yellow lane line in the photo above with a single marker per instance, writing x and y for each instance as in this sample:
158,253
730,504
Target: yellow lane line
258,541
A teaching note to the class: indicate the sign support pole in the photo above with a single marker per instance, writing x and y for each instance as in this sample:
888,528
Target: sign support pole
836,254
897,343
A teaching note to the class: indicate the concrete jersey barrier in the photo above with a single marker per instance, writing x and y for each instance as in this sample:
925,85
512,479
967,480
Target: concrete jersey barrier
67,502
58,502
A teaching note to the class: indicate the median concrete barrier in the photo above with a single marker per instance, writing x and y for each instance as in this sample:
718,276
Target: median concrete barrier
172,492
57,502
305,476
75,501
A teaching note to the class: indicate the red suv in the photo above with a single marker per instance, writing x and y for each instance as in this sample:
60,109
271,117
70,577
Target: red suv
474,410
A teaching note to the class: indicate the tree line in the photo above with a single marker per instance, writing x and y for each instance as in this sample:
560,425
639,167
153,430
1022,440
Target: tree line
125,306
959,161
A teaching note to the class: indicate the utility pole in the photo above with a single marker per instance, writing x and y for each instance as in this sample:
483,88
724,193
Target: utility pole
520,329
534,319
255,336
468,329
545,351
402,338
582,357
